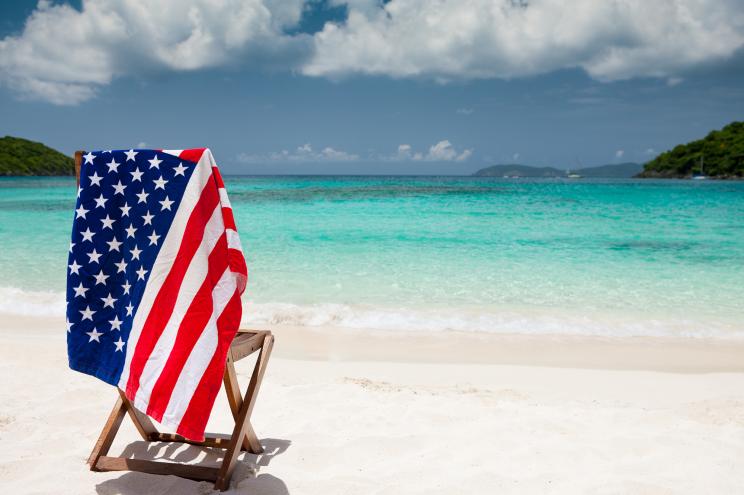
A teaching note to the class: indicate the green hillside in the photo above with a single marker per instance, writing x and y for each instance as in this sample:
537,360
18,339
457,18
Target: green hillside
23,157
722,153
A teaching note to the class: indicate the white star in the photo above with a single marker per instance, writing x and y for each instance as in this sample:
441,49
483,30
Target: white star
74,268
94,255
100,201
148,218
125,210
72,244
80,290
135,252
153,238
95,179
129,309
160,183
87,235
94,335
114,244
119,188
69,325
131,154
89,157
141,273
119,345
136,175
155,163
87,314
126,287
108,301
180,169
107,151
101,278
130,231
112,165
81,212
166,204
107,222
115,323
80,189
142,197
122,266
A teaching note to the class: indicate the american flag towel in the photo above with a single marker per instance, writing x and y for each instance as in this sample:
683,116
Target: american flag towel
154,280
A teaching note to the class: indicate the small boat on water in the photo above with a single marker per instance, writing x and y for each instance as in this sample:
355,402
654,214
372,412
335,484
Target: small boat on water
701,175
572,175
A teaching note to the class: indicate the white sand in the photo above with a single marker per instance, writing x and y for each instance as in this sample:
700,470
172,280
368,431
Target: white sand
411,414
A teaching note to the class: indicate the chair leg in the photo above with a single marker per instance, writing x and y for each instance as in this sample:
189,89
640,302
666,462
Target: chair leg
143,424
242,422
106,438
232,389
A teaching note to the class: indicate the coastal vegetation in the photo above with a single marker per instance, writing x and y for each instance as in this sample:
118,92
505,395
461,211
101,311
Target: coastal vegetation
23,157
718,155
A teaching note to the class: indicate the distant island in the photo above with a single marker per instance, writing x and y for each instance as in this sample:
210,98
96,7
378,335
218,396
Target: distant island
719,155
613,171
23,157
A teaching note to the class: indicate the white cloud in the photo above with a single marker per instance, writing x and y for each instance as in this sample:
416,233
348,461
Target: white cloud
465,111
650,151
443,151
64,56
619,153
304,153
452,39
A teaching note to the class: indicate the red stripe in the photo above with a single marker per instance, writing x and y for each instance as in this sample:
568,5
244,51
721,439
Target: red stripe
192,155
227,215
166,299
218,177
194,321
194,420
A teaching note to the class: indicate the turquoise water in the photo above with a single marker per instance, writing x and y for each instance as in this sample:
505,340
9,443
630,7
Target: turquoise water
621,257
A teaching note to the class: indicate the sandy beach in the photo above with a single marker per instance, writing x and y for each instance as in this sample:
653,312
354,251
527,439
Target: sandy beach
361,412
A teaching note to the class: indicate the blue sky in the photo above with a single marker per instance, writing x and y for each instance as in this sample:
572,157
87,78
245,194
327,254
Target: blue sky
361,87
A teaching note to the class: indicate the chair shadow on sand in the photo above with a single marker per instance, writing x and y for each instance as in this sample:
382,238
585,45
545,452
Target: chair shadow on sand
245,479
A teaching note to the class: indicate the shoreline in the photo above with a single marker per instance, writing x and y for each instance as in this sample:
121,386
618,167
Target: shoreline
664,354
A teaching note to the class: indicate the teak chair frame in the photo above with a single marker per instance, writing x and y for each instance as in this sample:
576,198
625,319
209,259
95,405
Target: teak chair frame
243,437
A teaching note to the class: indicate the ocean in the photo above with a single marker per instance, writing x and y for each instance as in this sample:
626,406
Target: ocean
591,257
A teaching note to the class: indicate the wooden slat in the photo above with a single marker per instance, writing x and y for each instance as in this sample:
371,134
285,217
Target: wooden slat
190,471
78,165
246,344
210,439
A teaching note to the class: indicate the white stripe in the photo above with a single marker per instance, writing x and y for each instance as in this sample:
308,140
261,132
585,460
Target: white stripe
223,198
193,279
200,356
173,152
233,240
163,263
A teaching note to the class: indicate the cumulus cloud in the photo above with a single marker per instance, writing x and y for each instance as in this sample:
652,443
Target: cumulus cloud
304,153
511,38
443,151
64,55
619,153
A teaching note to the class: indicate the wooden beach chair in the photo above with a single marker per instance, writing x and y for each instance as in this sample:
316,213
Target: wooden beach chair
243,437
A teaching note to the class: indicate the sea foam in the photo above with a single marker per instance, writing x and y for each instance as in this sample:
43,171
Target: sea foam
535,321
